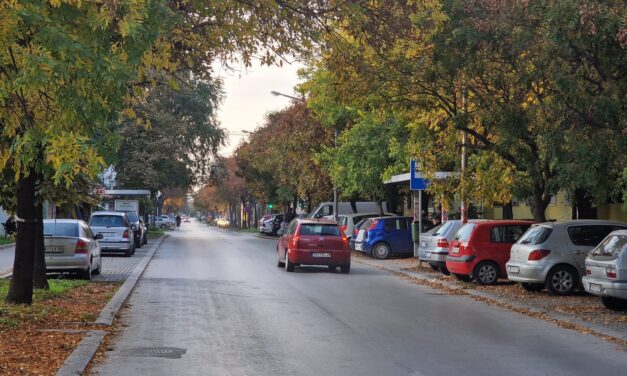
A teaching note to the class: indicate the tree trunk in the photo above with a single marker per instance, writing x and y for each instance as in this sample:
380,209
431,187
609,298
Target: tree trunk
584,208
539,203
380,206
40,280
508,211
21,287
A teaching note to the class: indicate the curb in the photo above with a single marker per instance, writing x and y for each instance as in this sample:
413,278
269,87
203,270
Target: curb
596,328
5,246
78,360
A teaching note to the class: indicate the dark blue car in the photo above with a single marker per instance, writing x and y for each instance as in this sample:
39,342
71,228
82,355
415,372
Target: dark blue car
385,236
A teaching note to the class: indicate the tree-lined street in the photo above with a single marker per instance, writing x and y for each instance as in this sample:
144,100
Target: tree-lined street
216,298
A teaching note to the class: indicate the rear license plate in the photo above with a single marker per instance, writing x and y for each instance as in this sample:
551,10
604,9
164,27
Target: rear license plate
321,254
513,269
455,250
54,249
595,287
108,234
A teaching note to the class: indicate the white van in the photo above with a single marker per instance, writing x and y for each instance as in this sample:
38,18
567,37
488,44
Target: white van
326,208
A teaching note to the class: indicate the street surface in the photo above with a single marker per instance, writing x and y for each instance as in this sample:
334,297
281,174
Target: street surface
213,302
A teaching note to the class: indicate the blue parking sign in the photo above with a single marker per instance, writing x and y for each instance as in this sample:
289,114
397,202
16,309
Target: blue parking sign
416,181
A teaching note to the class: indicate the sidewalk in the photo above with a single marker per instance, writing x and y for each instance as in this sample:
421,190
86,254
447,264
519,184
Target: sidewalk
581,312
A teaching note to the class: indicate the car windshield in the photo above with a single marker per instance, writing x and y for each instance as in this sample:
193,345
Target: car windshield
60,229
444,229
535,235
433,230
132,216
319,229
107,221
612,246
463,234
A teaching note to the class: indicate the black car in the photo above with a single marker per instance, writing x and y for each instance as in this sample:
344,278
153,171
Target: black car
139,229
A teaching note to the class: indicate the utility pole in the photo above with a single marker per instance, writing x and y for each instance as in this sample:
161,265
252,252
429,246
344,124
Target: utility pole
335,206
463,212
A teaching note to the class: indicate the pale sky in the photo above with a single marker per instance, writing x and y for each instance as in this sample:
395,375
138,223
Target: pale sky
248,98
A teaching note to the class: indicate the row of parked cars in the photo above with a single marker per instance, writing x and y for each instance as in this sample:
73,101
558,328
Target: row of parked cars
74,246
558,256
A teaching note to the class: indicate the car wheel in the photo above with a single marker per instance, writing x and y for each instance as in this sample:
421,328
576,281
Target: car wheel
614,304
444,270
128,252
486,273
98,269
562,280
532,287
289,267
138,243
461,277
345,268
85,274
381,251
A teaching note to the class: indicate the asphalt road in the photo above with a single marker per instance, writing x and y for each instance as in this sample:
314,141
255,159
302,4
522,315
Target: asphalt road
213,302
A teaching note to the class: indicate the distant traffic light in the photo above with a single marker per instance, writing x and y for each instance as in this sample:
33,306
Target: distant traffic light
270,206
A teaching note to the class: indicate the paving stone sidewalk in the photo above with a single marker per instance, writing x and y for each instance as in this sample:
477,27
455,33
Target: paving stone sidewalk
117,267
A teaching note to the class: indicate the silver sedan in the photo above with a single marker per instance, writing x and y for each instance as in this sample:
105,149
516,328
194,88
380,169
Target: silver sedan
71,246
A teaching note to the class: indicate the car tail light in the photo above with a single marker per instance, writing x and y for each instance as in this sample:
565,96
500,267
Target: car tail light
373,225
125,235
610,271
442,243
295,240
345,241
81,247
343,228
538,254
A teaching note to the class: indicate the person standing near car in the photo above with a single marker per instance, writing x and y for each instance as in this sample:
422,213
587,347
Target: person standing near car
10,226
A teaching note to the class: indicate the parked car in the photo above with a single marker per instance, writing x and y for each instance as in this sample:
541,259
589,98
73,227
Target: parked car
164,222
139,229
480,250
266,223
71,246
347,222
553,254
313,242
434,245
325,209
116,231
222,222
382,237
351,241
606,271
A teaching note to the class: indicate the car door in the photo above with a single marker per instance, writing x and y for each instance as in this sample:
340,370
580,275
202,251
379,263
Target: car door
501,240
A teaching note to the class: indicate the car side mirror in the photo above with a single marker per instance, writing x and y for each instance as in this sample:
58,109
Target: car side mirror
98,236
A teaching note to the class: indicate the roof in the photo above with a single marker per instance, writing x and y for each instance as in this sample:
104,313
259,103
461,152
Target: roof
582,222
108,213
312,221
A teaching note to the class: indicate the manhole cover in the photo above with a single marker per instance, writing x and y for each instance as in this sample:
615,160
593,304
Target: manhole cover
156,352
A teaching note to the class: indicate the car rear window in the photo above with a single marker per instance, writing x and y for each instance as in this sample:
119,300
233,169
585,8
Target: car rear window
319,229
463,234
535,235
60,229
589,236
107,221
444,229
612,246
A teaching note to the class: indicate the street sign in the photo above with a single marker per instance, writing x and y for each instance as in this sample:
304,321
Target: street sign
416,181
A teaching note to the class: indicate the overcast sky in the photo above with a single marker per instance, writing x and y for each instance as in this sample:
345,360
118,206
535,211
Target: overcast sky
248,98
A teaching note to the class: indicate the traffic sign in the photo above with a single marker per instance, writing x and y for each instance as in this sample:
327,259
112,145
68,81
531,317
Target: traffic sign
416,181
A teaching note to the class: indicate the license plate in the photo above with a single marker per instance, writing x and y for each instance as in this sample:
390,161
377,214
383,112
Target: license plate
321,254
513,269
423,244
455,250
54,249
595,287
108,234
358,246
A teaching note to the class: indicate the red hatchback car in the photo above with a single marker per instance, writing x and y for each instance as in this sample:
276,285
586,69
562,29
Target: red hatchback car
480,250
313,242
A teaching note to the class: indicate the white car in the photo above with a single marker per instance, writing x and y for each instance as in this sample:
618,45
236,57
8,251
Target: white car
606,271
347,222
164,222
